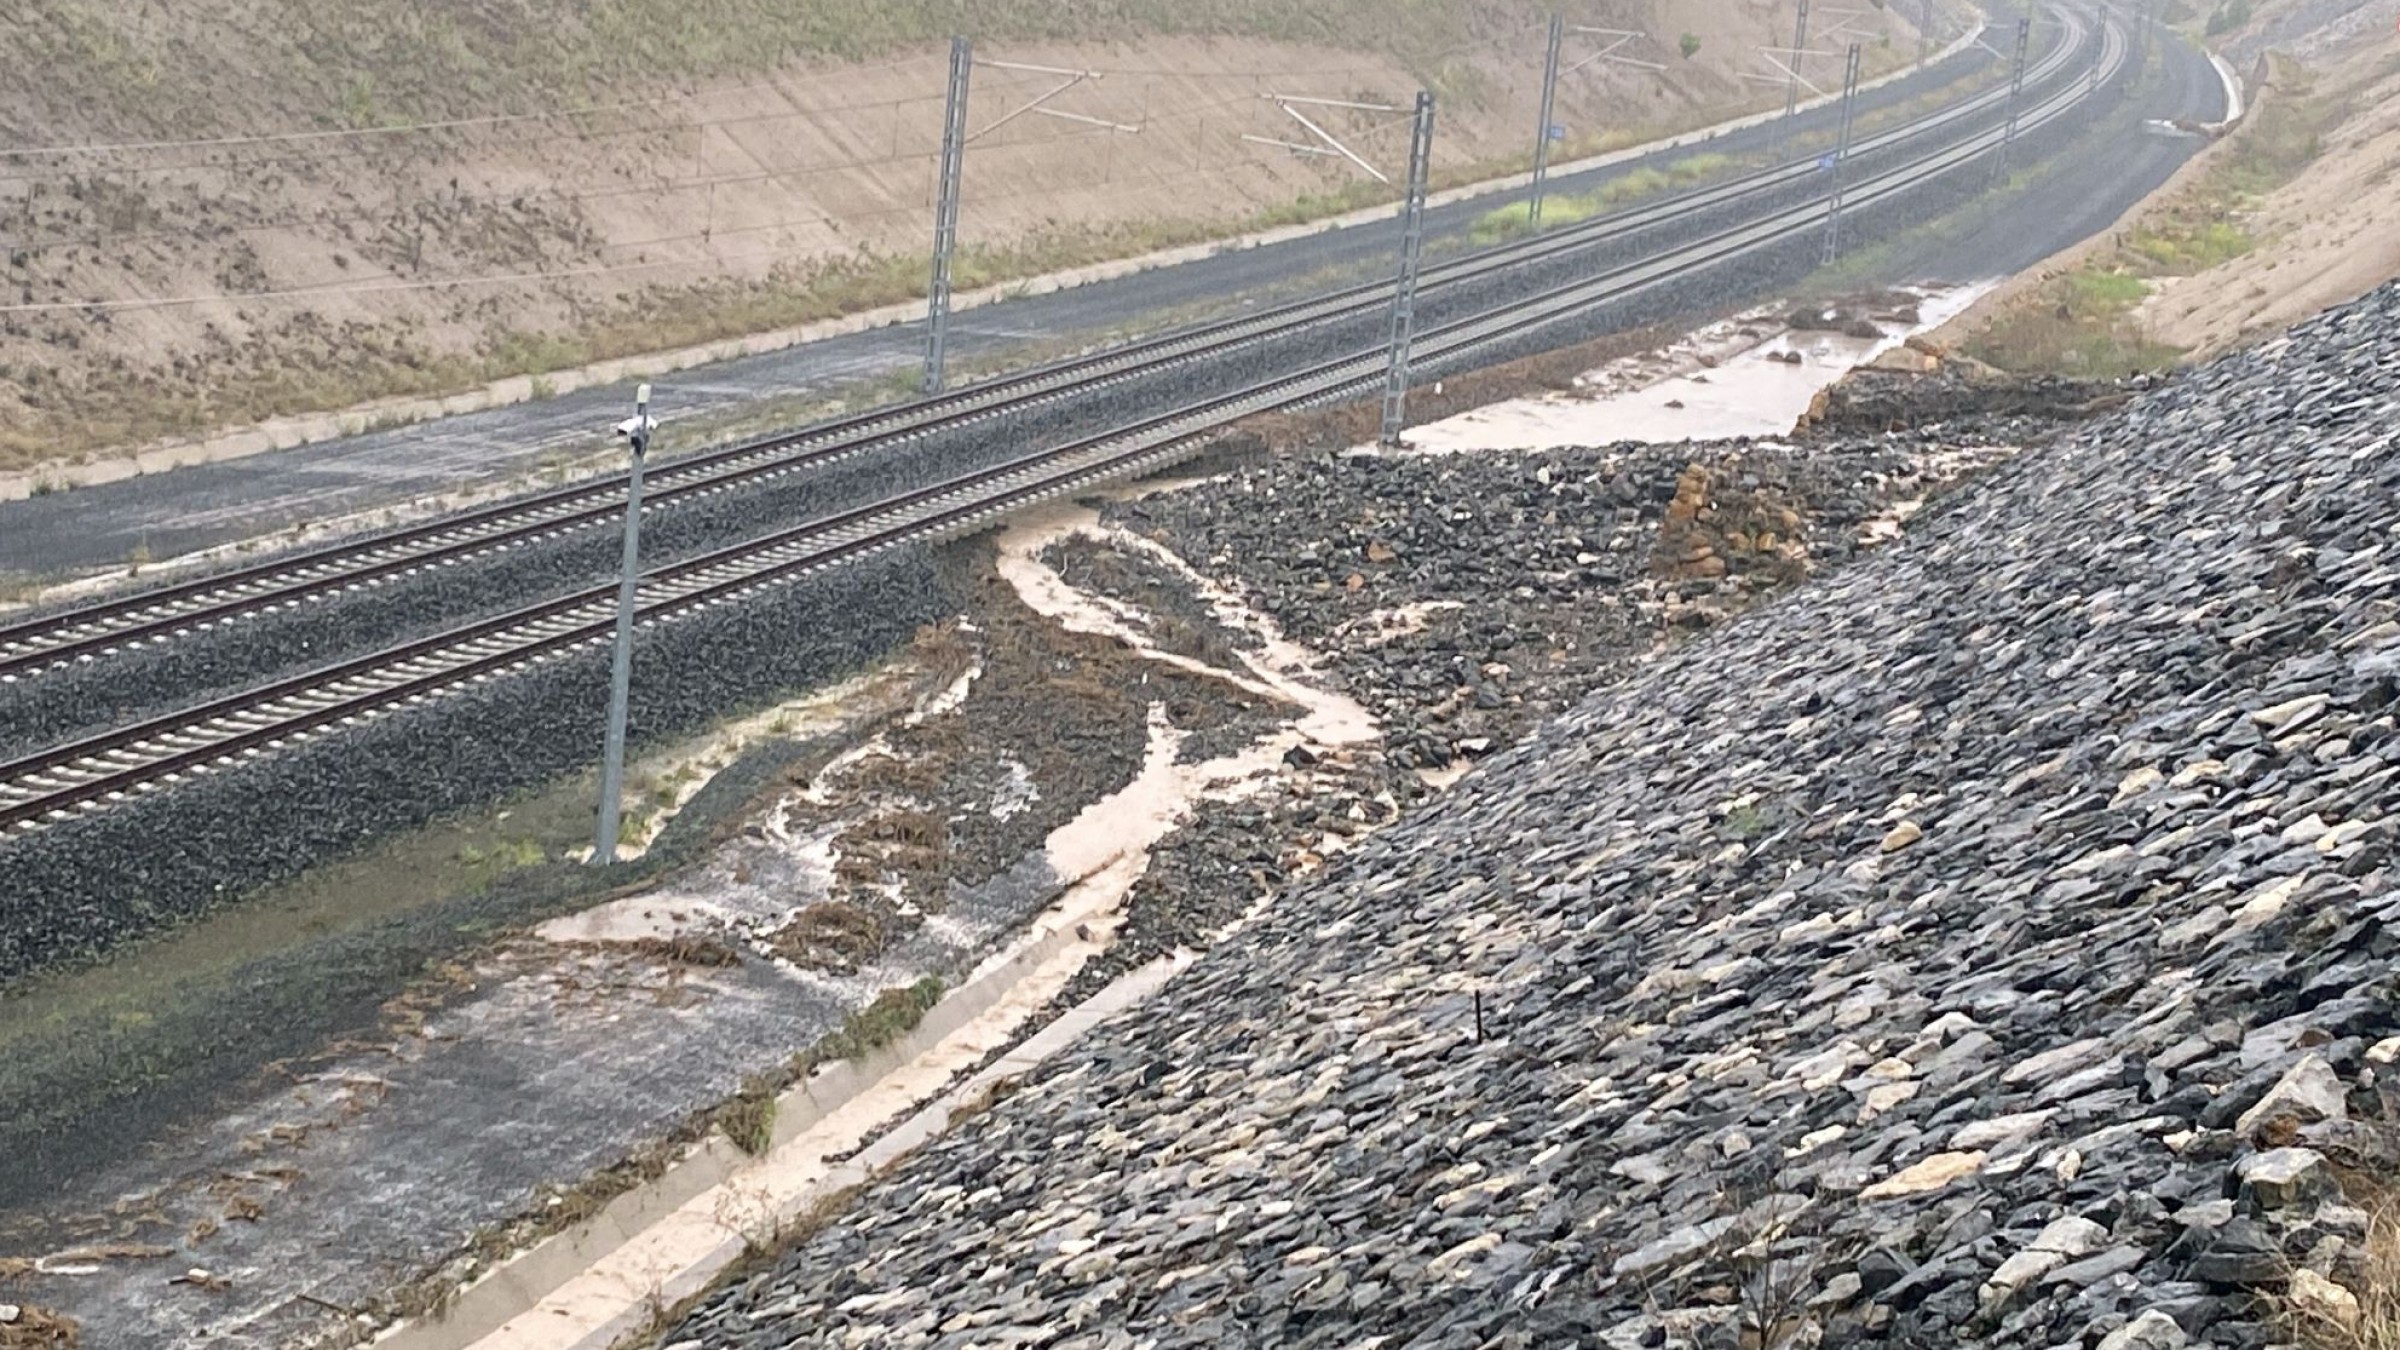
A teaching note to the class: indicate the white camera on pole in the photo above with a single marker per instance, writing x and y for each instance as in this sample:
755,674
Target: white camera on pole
638,427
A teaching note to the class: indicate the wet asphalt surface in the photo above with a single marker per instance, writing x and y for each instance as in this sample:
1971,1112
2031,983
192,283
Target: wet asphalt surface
204,506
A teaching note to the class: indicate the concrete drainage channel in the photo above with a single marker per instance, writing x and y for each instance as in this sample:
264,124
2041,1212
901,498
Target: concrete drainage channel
613,1277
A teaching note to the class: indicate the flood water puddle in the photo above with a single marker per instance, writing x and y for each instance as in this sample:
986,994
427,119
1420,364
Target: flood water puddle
1736,379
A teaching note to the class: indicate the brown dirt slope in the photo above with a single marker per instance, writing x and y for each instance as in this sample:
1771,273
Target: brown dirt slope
696,168
2322,237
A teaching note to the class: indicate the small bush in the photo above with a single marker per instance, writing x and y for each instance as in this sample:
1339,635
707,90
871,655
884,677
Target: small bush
749,1119
1689,45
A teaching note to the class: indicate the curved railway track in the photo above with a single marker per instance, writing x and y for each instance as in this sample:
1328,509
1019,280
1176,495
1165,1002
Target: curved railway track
94,631
91,773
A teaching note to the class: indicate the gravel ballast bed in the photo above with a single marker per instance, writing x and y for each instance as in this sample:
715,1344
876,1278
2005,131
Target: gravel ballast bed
83,886
1988,942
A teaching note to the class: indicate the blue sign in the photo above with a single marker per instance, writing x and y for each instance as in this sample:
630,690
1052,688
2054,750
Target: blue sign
1825,162
1557,132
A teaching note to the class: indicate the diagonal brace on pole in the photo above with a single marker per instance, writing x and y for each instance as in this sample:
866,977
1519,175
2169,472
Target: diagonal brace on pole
1040,102
1620,39
1291,103
1850,23
1552,74
1790,71
1791,90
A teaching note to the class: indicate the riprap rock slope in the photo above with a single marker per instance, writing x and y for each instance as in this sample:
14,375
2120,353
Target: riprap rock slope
1989,942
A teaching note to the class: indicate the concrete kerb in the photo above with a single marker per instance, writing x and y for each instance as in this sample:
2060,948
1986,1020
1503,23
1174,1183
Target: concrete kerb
289,433
661,1244
2233,87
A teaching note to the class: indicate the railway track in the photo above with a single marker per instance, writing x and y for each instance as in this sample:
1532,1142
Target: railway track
93,772
95,631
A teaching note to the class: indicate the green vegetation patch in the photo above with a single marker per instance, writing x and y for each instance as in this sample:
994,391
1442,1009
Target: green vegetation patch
1515,219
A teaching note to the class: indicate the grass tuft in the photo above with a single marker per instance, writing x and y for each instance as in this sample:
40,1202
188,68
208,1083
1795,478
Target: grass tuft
1515,219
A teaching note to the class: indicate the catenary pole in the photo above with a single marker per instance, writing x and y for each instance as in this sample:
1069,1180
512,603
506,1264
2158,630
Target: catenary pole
1541,140
945,215
1841,157
1791,84
1412,252
2016,91
620,670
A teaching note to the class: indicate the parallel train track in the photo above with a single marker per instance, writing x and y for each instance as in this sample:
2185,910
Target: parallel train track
89,774
97,630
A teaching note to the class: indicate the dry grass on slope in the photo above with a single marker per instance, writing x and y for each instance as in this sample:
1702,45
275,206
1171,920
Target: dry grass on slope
214,65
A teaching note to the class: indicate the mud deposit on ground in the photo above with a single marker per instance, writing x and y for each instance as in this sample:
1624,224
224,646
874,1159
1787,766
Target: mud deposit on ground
1044,722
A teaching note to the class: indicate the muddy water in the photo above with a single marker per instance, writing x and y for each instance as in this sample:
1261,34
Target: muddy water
1278,668
97,1064
1752,389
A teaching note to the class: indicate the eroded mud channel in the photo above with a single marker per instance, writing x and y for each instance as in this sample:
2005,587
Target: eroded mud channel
1151,713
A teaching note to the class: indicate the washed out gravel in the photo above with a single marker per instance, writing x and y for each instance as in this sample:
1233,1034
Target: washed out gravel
1988,942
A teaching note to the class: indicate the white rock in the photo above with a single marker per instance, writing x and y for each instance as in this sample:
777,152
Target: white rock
1837,1291
2055,1063
2317,1299
2344,834
2152,1330
2266,902
1930,1174
2286,716
2015,1273
2135,784
2282,1176
2310,1091
1814,1140
2070,1236
1883,1098
1447,1264
2306,830
2001,1129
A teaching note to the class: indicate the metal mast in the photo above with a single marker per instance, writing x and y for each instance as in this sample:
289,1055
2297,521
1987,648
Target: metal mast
1412,252
945,215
